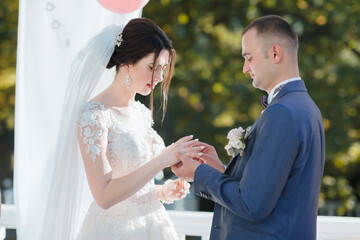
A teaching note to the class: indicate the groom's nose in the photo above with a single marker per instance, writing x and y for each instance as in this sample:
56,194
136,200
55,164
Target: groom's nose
246,67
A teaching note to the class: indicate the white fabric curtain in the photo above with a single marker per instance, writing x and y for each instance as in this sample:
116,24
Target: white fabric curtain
50,34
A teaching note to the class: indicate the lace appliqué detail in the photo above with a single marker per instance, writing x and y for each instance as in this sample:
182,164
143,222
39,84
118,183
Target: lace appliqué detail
93,124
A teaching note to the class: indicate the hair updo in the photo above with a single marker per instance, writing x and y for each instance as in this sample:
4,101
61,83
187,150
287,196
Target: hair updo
141,37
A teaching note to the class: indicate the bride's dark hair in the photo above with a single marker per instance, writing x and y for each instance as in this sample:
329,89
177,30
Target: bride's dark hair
141,36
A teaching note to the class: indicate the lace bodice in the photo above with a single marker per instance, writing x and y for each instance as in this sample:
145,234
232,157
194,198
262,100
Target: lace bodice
131,139
127,135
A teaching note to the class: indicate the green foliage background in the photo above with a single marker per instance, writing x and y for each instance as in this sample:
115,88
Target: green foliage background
210,95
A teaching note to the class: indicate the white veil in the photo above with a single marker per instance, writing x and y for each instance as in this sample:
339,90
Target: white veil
69,194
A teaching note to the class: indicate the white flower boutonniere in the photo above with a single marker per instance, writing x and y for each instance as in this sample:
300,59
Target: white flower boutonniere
236,143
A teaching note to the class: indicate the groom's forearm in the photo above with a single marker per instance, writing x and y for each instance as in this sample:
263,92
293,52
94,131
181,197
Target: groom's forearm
213,185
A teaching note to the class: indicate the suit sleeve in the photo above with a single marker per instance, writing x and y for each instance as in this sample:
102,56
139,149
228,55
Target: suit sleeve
255,195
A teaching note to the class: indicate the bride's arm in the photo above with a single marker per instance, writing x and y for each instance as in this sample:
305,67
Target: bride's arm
106,190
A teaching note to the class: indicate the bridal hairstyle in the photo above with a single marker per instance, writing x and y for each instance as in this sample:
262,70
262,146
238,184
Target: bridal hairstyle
274,29
141,37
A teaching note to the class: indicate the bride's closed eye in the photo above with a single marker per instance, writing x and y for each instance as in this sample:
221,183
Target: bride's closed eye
163,69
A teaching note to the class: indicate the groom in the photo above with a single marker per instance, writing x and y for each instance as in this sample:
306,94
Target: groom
271,192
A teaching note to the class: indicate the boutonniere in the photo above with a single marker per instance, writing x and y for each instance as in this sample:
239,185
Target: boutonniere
236,142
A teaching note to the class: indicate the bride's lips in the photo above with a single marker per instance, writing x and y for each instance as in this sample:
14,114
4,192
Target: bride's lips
151,87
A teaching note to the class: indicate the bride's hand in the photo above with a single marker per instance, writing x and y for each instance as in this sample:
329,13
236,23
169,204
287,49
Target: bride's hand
174,190
168,158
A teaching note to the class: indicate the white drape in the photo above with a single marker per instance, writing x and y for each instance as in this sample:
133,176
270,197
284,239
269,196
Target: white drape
50,34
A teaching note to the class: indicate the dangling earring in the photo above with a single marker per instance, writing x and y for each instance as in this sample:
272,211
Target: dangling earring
127,80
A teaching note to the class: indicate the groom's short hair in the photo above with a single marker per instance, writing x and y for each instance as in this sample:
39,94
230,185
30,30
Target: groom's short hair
276,28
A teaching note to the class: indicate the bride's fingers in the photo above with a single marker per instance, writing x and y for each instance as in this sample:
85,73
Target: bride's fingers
180,196
200,157
201,161
199,144
207,147
184,139
188,143
177,165
179,183
183,187
204,144
186,187
198,149
195,154
188,150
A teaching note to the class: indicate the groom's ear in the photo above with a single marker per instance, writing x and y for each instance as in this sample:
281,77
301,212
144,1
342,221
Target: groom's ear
276,53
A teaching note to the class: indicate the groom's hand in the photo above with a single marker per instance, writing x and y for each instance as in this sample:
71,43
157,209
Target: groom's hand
186,168
208,155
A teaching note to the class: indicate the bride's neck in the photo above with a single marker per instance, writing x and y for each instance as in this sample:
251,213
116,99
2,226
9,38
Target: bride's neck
118,94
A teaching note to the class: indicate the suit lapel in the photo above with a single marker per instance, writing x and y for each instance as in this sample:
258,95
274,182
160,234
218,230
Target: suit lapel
230,166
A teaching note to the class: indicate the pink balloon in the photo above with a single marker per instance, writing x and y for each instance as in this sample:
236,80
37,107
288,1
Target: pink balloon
123,6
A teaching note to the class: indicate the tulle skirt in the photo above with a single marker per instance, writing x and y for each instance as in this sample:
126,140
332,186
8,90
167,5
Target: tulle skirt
128,220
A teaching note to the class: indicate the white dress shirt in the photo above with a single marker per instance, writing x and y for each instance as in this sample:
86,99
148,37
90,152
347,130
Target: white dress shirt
272,95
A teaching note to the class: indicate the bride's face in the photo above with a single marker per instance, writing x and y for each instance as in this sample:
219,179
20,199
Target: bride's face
141,72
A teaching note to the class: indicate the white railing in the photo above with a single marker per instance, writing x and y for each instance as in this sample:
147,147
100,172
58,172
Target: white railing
7,219
2,233
190,223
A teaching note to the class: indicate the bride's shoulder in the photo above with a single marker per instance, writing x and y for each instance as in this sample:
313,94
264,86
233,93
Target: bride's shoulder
92,108
93,111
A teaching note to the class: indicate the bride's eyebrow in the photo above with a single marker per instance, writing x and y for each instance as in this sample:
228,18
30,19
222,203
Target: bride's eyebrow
158,65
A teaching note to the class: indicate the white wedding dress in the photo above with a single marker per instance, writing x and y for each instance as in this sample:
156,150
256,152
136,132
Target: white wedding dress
131,143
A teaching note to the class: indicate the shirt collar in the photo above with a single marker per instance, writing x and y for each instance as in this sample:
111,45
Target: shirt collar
272,95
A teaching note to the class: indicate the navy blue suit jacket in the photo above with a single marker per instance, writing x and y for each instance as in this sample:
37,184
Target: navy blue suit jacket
272,191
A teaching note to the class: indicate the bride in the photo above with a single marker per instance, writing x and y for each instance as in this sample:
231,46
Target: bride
120,151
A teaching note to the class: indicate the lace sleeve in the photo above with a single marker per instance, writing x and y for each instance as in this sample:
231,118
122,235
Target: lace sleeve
93,130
